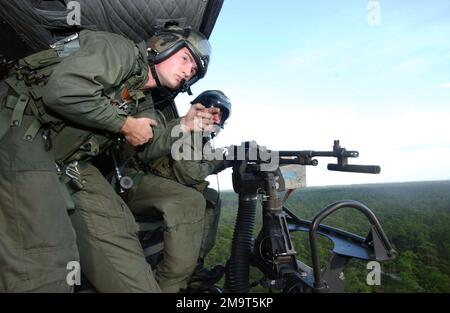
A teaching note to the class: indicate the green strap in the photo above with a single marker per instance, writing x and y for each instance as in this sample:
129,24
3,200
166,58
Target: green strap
137,95
32,130
5,117
11,102
19,109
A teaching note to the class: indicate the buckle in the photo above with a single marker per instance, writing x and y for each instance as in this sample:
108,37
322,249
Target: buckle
71,170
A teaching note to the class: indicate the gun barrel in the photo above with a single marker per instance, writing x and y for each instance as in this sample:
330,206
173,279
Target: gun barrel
311,154
297,160
305,153
335,154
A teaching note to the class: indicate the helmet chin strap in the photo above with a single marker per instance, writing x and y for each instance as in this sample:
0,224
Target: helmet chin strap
155,75
185,87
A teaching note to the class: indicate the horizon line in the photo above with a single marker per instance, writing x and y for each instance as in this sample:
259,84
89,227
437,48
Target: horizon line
363,184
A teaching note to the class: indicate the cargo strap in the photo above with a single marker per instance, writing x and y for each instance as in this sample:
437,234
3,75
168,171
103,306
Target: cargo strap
18,105
35,105
19,109
32,130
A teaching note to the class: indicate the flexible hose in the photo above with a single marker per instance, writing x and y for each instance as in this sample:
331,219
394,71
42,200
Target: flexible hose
237,270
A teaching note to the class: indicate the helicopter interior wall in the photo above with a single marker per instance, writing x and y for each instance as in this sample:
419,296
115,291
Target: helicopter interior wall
39,23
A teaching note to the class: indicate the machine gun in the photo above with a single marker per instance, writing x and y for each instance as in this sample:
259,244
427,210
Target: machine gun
273,252
261,175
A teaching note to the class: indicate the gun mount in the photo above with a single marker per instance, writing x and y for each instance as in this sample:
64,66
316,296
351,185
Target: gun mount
256,174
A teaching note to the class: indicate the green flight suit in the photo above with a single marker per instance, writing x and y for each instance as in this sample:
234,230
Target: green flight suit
177,191
81,90
37,239
193,173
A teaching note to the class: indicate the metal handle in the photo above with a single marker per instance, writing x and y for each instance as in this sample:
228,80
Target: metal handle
370,169
318,284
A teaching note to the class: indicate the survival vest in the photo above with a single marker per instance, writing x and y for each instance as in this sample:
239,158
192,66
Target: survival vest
24,97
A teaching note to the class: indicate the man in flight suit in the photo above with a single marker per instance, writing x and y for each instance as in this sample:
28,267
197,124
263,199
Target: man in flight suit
177,190
62,107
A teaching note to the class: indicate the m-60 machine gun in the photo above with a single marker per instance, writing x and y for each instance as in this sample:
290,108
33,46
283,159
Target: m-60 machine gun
255,176
262,175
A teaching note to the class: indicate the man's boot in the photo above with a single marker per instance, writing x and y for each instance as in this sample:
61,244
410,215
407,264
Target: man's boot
203,278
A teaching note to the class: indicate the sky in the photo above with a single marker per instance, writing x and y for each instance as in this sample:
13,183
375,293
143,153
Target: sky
301,74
